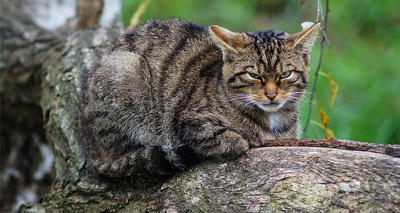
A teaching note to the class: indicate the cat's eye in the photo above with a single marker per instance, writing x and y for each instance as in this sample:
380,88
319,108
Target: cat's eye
286,74
255,76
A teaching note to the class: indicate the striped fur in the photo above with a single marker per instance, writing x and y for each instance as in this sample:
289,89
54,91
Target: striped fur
172,93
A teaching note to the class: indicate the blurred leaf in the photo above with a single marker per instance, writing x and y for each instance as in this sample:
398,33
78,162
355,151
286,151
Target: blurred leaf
328,133
302,2
325,120
139,13
323,117
334,88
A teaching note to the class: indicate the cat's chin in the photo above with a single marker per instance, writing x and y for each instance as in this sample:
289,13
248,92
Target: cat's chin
270,107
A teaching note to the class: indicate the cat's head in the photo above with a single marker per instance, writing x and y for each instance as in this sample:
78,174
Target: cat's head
265,69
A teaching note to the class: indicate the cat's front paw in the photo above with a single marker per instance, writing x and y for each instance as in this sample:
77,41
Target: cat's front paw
229,144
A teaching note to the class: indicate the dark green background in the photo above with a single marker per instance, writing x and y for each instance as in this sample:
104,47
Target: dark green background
364,56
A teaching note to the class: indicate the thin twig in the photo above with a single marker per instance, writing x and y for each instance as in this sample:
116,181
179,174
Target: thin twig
324,39
318,11
315,130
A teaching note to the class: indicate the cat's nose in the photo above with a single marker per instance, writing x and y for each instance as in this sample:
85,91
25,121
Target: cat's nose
270,95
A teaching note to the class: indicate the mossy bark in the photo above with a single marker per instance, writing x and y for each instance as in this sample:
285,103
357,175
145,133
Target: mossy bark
271,179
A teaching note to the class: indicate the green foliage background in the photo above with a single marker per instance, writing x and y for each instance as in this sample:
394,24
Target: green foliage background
364,56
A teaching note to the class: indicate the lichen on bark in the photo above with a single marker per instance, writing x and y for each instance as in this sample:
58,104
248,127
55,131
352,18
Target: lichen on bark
292,179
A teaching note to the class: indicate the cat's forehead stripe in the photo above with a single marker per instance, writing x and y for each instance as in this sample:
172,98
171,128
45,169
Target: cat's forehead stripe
268,45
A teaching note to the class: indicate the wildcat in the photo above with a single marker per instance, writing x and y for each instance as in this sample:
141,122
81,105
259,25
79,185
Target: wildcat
172,93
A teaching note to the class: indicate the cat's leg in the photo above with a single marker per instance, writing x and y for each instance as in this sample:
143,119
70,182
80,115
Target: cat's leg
225,144
211,139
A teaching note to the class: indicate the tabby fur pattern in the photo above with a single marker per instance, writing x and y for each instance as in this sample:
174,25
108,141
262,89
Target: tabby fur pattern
172,93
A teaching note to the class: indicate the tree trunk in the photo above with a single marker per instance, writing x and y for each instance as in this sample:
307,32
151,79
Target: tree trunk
26,165
88,12
270,179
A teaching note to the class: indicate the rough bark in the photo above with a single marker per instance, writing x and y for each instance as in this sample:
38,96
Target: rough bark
271,179
23,48
88,12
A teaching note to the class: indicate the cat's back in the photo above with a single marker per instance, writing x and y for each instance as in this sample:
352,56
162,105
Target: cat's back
164,38
174,50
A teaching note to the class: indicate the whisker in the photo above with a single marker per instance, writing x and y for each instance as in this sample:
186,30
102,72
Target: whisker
302,92
295,96
242,101
248,103
301,100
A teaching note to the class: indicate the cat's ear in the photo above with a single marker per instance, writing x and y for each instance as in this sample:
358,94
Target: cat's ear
305,39
227,40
